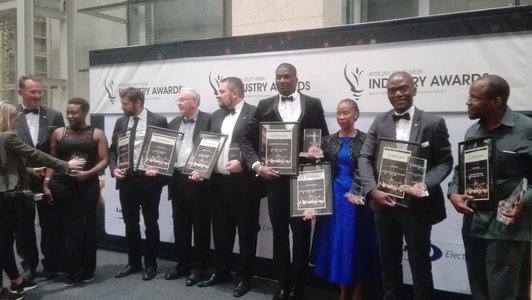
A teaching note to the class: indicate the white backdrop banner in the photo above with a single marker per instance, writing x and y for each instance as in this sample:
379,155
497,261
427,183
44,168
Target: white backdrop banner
442,69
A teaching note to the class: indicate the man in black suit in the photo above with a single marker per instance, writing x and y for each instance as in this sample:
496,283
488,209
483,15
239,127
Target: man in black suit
288,106
235,191
190,202
414,223
136,190
35,125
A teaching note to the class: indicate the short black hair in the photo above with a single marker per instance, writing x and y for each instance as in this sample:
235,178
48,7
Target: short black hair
132,94
353,105
84,104
497,86
288,66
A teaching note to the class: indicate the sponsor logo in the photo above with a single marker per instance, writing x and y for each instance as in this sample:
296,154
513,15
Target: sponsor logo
354,79
110,90
214,81
435,252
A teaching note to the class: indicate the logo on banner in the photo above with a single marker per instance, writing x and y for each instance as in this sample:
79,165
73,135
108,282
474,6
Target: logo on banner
215,82
354,79
110,90
435,252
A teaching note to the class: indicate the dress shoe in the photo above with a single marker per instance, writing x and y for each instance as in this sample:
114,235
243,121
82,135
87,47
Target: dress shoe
296,293
176,273
282,294
242,288
29,275
127,270
194,278
149,273
214,280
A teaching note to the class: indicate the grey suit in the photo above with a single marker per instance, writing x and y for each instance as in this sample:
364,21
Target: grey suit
414,223
49,215
136,192
190,208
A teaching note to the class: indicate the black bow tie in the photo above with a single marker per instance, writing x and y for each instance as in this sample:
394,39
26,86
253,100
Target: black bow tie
33,111
289,98
230,111
188,121
399,117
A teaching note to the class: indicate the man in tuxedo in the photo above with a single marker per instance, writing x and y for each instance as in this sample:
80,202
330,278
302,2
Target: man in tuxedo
190,202
136,190
35,125
235,191
407,123
288,106
495,250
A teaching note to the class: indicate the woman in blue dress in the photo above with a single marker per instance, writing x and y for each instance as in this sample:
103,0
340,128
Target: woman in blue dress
344,249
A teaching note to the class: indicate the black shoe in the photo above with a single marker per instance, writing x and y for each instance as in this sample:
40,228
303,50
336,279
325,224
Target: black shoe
6,295
215,279
23,287
86,277
149,273
70,281
296,293
194,278
29,275
50,275
282,294
127,270
178,272
242,288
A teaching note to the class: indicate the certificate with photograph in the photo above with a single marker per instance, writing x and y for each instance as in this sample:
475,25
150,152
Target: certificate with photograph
159,150
205,153
279,146
476,172
124,151
311,137
395,170
311,190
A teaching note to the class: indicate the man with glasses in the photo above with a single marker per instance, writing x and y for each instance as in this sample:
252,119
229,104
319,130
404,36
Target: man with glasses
495,250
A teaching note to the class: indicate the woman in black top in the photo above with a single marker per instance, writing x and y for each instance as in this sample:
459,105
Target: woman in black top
77,194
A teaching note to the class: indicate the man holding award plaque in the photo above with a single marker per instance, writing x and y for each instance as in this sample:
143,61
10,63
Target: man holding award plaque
414,222
495,239
288,106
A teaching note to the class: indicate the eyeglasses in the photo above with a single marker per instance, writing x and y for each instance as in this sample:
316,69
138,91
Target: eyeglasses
476,99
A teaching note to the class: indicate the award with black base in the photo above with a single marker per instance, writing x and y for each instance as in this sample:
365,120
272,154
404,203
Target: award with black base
311,190
278,146
475,163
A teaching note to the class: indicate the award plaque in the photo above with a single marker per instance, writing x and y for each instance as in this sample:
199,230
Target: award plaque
159,150
311,137
475,162
123,151
205,153
395,165
311,190
278,146
508,204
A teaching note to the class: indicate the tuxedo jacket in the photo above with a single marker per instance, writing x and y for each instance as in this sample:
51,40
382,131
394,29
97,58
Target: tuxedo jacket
203,123
153,119
49,120
430,131
311,117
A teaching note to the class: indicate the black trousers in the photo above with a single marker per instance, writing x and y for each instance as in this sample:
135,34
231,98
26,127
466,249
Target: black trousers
190,211
234,205
392,225
291,272
78,218
8,222
137,194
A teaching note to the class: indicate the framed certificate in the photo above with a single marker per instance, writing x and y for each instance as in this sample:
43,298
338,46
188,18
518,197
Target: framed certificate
234,152
159,150
311,190
311,137
124,151
205,153
395,170
278,146
475,163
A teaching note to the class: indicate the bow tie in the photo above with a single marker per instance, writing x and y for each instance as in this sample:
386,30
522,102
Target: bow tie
230,111
399,117
290,98
33,111
188,121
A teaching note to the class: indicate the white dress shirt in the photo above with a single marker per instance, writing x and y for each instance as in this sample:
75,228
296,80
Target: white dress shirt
402,126
33,125
188,141
228,126
140,133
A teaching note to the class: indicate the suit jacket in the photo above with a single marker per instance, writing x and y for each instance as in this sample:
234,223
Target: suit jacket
153,119
203,123
49,120
268,111
430,131
14,157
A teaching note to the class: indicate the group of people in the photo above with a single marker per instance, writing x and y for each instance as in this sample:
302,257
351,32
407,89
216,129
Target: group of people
359,247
